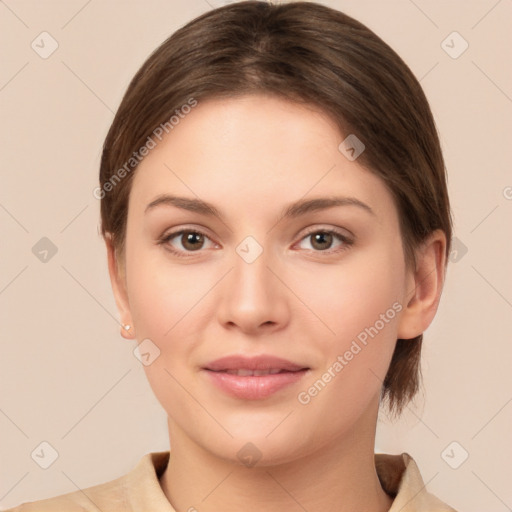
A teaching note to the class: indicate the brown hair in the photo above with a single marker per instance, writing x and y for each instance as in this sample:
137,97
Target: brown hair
311,54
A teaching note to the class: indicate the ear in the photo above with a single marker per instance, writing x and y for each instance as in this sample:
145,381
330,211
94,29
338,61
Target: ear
424,286
118,281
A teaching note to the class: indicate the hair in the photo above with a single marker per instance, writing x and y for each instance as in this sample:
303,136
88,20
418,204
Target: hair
310,54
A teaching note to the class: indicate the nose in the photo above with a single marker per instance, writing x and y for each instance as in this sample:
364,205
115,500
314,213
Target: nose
253,298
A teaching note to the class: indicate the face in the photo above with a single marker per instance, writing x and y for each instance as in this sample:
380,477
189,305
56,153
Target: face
274,280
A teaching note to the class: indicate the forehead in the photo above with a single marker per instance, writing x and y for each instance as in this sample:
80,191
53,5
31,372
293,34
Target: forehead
251,152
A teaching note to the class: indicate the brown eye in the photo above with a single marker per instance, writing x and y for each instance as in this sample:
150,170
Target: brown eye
186,241
326,240
321,240
192,241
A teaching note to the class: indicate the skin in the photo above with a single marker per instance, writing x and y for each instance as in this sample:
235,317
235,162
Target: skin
300,300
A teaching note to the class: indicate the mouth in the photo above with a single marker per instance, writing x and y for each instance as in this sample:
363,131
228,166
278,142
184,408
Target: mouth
253,378
244,372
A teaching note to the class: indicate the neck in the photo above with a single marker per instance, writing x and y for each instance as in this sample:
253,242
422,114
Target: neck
339,477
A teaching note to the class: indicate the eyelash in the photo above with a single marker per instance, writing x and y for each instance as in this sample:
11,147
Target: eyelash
347,242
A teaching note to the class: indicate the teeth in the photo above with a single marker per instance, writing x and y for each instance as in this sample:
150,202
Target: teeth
241,373
249,373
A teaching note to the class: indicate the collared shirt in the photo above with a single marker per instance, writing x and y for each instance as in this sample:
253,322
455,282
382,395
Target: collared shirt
140,490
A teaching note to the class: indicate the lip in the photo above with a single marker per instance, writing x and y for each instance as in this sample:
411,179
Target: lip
253,387
262,362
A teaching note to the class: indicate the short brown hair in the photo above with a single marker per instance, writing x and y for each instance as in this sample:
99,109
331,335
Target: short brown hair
311,54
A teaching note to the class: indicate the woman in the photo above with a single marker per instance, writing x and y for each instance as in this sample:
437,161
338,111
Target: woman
275,211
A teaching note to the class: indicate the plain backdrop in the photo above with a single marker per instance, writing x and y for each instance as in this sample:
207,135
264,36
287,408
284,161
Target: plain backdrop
67,378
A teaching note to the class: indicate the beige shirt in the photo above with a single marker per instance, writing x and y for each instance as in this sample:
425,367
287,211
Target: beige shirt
140,491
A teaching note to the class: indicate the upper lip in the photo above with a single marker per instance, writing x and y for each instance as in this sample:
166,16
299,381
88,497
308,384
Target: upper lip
262,362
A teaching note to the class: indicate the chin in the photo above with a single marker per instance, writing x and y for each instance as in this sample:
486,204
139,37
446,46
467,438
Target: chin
255,445
260,452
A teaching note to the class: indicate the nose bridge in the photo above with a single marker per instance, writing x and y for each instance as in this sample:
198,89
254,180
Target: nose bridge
252,279
252,295
251,268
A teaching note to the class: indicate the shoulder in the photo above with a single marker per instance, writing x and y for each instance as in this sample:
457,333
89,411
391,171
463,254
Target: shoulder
133,490
106,497
400,477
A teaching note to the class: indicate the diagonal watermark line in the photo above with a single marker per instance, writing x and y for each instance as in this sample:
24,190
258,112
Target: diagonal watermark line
424,486
198,301
5,495
92,296
485,15
165,165
104,395
199,403
14,218
13,423
216,487
14,76
13,279
492,211
310,189
418,417
506,403
13,13
286,491
509,508
71,71
424,14
301,300
81,490
434,66
493,287
74,218
76,14
492,81
280,423
421,421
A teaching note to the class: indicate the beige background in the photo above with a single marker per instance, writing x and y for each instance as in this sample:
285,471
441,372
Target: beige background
66,375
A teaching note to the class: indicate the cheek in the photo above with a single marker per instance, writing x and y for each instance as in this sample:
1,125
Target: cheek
171,305
359,305
164,306
353,296
161,295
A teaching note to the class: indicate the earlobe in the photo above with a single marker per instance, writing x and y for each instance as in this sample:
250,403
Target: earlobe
118,282
425,285
127,332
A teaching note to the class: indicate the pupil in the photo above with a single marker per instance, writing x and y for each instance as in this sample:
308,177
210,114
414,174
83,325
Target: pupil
191,238
321,238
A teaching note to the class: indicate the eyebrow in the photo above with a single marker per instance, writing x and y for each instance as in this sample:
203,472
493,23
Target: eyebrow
293,210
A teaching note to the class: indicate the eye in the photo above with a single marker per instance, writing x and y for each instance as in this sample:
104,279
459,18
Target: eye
185,240
323,239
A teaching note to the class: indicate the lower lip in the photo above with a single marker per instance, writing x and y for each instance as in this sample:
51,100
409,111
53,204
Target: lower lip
254,387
